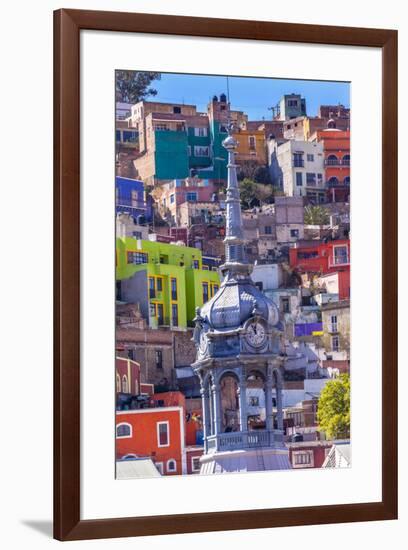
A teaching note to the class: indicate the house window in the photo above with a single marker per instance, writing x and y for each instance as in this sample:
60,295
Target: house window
294,233
161,127
335,343
191,196
172,199
160,314
163,439
332,160
159,358
174,314
137,234
205,292
214,289
189,150
268,230
333,323
340,255
253,401
310,157
298,161
285,305
159,284
252,142
292,102
196,264
176,110
137,258
311,179
131,354
200,132
346,160
195,463
152,291
302,458
125,386
173,288
299,179
201,151
123,430
171,465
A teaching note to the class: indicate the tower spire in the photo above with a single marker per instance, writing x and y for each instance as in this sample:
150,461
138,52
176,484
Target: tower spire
235,257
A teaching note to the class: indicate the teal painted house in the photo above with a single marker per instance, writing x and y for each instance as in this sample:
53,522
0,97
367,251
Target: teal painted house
177,144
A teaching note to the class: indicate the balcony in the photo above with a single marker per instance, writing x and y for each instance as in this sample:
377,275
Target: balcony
232,441
332,328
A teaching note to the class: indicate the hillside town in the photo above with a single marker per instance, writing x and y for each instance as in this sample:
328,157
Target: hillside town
232,286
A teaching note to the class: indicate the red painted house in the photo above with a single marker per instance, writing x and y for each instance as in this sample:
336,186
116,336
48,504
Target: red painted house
157,433
161,431
127,376
308,454
323,258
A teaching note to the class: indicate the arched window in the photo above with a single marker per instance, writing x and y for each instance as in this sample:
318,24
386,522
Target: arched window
332,160
123,430
333,182
171,465
125,387
117,382
346,180
346,160
129,456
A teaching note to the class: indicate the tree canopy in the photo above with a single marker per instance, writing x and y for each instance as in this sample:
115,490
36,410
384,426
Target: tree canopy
316,215
333,413
133,86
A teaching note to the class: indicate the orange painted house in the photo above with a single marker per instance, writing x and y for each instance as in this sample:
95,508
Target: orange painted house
157,433
336,150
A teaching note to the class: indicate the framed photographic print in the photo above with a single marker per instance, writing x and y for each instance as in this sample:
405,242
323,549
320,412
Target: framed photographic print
225,274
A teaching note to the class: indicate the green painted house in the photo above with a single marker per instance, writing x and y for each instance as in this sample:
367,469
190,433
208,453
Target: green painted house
166,280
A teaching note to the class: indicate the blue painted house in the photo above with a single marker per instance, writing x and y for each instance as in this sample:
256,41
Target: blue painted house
130,199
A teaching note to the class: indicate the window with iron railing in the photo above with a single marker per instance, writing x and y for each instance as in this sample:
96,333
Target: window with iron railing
137,258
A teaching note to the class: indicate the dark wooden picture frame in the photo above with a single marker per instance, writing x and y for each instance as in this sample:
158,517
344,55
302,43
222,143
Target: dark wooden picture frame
67,27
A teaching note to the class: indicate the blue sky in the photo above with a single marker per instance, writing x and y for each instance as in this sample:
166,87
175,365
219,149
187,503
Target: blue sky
252,95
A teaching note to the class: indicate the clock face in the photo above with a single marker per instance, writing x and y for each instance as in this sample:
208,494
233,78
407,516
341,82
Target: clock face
256,334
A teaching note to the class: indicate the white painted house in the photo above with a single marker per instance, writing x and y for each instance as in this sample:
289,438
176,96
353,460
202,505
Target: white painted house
297,167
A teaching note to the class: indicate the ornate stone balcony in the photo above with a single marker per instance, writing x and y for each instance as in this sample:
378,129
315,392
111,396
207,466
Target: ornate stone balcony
232,441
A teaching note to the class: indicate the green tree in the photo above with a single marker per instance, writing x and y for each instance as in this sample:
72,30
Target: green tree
316,215
133,86
248,190
333,413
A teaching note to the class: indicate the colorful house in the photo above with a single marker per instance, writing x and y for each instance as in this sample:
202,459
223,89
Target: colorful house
323,258
336,149
176,141
162,432
167,280
130,198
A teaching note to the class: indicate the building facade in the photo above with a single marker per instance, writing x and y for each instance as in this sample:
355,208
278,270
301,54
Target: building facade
336,149
297,167
166,280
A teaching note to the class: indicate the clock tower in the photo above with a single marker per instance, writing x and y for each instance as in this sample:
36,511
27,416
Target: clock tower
239,362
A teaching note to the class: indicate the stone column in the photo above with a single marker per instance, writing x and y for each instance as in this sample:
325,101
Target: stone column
206,415
268,401
215,389
243,417
279,402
